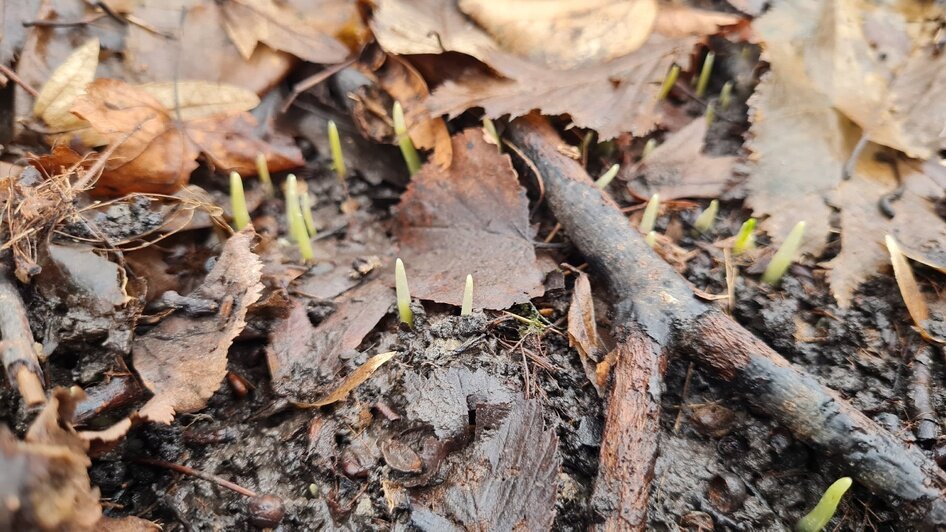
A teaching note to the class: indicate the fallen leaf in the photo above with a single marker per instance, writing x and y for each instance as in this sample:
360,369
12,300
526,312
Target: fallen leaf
12,15
193,99
679,168
182,378
677,20
583,328
909,290
355,378
304,361
46,482
564,34
409,27
128,523
506,480
67,82
471,219
440,399
250,22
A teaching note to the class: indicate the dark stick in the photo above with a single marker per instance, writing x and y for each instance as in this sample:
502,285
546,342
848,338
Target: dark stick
918,395
650,293
17,346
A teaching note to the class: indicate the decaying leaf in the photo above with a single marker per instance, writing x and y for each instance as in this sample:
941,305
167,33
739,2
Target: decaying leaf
441,399
583,330
507,480
356,377
471,219
304,360
909,289
564,34
679,168
67,82
193,99
182,376
46,483
678,20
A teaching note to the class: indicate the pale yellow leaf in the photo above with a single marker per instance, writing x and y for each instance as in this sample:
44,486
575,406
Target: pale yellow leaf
199,99
357,377
910,291
65,84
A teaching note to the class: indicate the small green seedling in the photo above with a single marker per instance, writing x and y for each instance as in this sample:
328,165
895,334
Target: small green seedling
467,307
725,95
710,115
294,218
649,147
262,169
818,518
669,81
490,128
404,312
785,255
404,140
608,176
707,219
305,204
649,219
745,238
651,239
335,146
705,74
241,216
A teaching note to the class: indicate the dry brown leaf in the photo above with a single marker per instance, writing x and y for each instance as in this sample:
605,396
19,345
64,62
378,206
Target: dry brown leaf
912,297
304,360
250,22
128,523
355,378
46,483
183,360
194,99
407,27
470,219
679,168
54,101
583,329
675,20
565,34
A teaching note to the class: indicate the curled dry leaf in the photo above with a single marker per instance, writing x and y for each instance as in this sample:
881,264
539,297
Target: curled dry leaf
181,377
353,380
67,82
471,219
909,289
583,328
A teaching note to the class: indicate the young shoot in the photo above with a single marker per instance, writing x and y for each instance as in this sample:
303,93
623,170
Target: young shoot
703,80
785,255
650,214
404,312
669,81
404,140
651,239
725,96
710,113
262,169
707,219
241,216
745,238
490,128
335,146
608,176
818,518
649,147
306,205
294,218
467,307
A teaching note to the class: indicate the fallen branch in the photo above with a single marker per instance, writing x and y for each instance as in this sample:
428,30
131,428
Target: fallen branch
651,296
17,346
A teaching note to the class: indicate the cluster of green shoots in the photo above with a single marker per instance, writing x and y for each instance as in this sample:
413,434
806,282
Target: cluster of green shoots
819,517
701,84
403,292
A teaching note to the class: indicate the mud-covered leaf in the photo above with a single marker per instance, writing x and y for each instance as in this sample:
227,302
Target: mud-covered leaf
184,358
67,82
507,480
679,168
444,398
471,219
305,361
360,375
45,482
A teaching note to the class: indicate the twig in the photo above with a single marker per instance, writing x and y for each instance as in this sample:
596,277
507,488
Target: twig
63,23
653,297
8,72
314,80
918,395
199,474
18,347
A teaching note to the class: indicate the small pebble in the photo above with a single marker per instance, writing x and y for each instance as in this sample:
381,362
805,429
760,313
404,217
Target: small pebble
266,511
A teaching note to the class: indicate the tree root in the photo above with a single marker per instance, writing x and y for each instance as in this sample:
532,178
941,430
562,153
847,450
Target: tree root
654,300
19,351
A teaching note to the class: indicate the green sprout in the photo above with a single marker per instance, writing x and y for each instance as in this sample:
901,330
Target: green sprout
650,214
262,169
305,204
669,81
404,311
335,146
725,95
649,147
241,216
785,255
710,113
404,140
745,238
651,238
295,220
608,176
490,128
705,74
707,219
818,518
467,307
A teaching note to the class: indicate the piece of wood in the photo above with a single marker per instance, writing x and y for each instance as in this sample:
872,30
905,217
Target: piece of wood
650,294
17,347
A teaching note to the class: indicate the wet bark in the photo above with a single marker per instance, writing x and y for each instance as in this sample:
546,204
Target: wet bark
653,297
17,346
